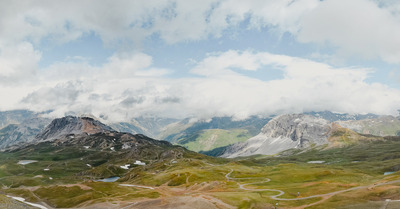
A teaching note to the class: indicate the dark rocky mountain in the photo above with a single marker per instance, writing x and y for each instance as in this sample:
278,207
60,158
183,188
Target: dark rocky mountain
282,133
130,145
82,134
71,125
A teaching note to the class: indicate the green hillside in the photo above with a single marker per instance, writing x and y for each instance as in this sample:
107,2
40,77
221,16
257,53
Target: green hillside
214,138
345,175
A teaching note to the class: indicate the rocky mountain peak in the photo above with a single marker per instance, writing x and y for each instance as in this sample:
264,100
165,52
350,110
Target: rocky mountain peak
72,125
298,127
282,133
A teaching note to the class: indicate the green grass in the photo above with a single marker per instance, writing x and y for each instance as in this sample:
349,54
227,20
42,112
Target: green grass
352,165
60,196
213,138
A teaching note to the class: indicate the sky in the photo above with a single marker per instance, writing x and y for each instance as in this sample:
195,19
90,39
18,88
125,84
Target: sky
185,58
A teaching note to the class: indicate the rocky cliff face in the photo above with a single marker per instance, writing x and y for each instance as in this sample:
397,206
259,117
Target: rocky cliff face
69,125
282,133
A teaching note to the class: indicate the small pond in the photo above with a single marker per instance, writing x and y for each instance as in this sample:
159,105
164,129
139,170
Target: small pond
26,162
388,173
316,161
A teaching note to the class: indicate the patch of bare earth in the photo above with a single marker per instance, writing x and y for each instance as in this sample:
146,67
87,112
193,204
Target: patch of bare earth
182,202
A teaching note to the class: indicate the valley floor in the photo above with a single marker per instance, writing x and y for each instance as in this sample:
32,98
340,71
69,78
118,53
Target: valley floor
347,177
247,191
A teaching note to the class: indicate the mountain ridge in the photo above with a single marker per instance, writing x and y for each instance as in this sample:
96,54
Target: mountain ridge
68,125
282,133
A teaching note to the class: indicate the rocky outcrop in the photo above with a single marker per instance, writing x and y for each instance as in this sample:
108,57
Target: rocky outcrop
282,133
71,125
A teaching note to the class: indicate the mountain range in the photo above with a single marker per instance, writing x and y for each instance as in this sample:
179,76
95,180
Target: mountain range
80,162
211,136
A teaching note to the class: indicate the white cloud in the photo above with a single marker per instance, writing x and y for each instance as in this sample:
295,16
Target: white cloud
129,85
306,86
18,64
221,62
358,28
362,28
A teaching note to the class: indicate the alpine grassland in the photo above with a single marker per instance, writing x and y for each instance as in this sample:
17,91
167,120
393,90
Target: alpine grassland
348,175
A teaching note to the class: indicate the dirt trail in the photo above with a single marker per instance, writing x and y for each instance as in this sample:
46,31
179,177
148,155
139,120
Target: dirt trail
327,195
314,203
139,186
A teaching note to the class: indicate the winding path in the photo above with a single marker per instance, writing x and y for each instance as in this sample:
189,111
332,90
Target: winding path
276,197
242,186
133,185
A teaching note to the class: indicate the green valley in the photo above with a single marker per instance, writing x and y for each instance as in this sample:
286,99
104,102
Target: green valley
353,173
213,138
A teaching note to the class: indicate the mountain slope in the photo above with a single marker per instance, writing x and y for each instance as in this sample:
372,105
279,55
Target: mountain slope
332,117
65,172
342,137
94,149
25,132
15,117
149,126
210,139
61,127
381,126
217,132
282,133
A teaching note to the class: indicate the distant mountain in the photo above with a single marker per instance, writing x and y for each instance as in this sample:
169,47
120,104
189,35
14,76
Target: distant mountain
282,133
94,150
301,131
25,132
381,126
15,117
196,135
68,125
332,117
217,132
84,133
149,126
126,145
204,136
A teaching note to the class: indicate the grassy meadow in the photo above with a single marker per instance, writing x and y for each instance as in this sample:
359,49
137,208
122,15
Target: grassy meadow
70,182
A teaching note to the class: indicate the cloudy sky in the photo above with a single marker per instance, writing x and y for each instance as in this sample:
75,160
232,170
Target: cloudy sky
187,58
